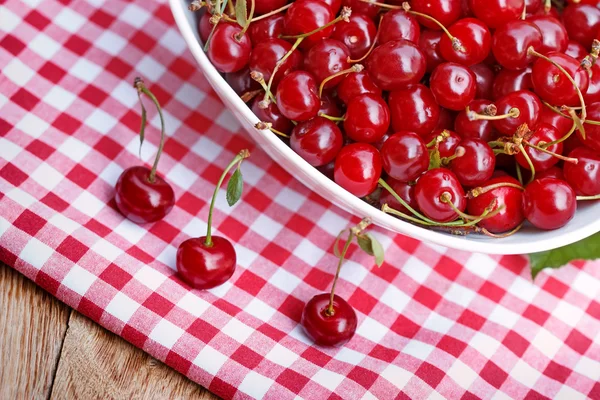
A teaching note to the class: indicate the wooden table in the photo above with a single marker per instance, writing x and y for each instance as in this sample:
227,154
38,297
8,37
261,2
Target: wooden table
48,351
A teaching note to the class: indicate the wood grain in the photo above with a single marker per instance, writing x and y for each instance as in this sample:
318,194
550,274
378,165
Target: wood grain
97,364
32,329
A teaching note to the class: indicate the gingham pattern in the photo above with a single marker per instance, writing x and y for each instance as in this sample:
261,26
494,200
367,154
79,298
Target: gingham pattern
433,322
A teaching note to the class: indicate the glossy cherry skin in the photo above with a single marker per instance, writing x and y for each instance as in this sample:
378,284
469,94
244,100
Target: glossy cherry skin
448,146
445,11
477,164
265,6
592,95
562,124
581,22
475,39
508,197
204,267
358,168
204,26
356,84
397,24
554,34
592,132
367,118
496,13
414,109
140,200
225,52
405,156
529,106
241,81
453,85
553,86
265,56
396,64
357,34
305,16
360,7
325,329
334,5
273,115
508,81
511,41
540,160
318,141
485,76
446,120
478,129
549,203
297,96
576,50
552,172
429,190
326,58
533,6
402,189
429,43
265,29
584,176
330,106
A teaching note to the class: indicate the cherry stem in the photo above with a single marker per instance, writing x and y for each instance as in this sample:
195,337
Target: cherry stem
368,53
259,77
524,13
596,197
246,97
354,68
240,35
553,154
528,159
456,44
478,191
519,173
267,15
474,116
389,210
332,118
237,160
268,125
268,93
138,83
383,5
446,197
439,138
562,139
196,5
400,200
460,151
571,117
504,235
547,6
212,32
344,16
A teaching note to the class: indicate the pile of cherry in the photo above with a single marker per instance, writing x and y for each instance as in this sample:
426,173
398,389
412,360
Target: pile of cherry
462,115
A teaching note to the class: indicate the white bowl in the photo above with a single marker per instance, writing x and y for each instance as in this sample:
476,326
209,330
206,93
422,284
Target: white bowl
528,240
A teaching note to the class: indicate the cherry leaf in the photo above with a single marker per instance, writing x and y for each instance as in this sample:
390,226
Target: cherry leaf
435,160
235,186
240,13
372,247
586,249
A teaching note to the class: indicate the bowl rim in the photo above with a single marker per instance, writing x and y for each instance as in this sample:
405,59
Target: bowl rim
469,244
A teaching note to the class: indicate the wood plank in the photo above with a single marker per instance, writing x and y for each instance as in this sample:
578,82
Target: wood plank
32,330
97,364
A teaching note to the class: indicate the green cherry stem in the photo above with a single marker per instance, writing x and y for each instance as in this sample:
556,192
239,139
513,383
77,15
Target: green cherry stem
237,160
528,159
519,173
354,68
332,118
265,102
400,200
596,197
330,311
138,83
551,153
239,36
503,235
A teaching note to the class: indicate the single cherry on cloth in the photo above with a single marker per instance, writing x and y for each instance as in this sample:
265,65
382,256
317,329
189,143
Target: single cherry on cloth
414,109
549,203
396,64
209,261
507,193
318,141
297,96
356,84
453,85
367,118
405,190
434,191
476,163
227,50
140,194
584,176
469,43
405,156
358,168
511,41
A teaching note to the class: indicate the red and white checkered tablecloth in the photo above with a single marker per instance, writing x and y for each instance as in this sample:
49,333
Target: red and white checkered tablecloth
433,322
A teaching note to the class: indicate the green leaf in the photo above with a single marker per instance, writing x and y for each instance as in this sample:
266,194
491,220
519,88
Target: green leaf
235,186
435,160
240,13
586,249
372,247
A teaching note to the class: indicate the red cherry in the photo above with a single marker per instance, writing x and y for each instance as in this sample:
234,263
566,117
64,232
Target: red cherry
367,118
225,51
533,6
318,141
540,160
325,329
265,56
297,96
476,165
446,120
358,168
495,13
241,81
475,42
445,12
397,24
581,22
396,64
140,200
529,106
576,50
204,26
357,34
334,5
508,197
448,146
453,85
273,115
265,29
554,34
305,16
405,156
552,172
266,6
552,85
326,58
508,81
414,109
430,190
330,106
584,176
429,43
327,170
592,95
360,7
549,203
592,132
562,124
355,84
402,189
478,129
485,80
511,41
204,267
